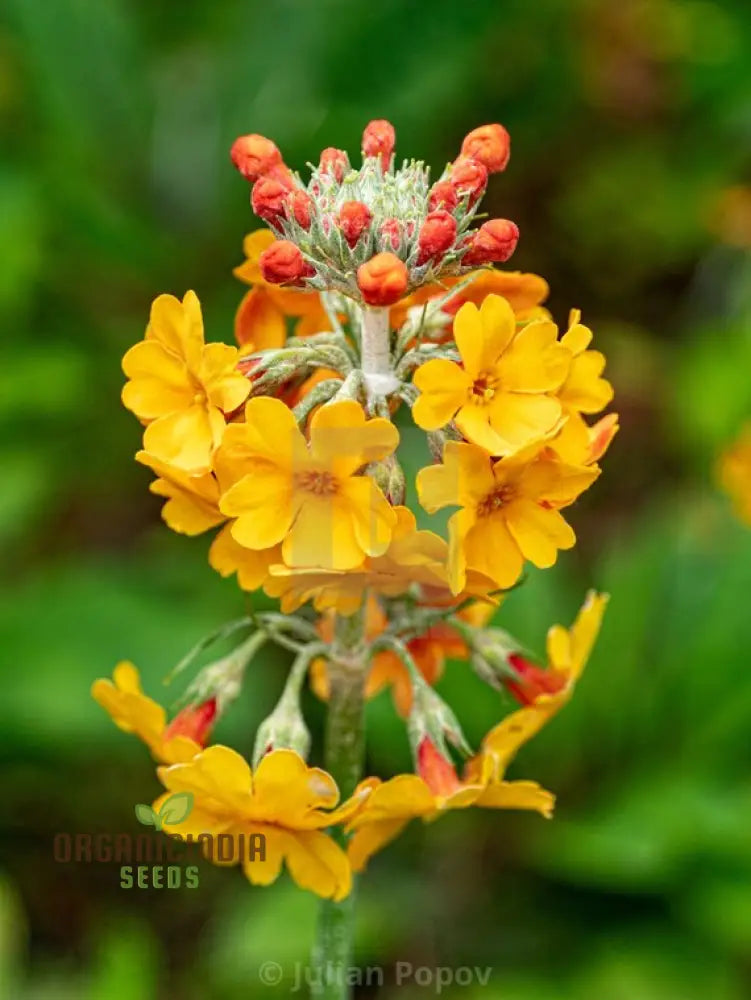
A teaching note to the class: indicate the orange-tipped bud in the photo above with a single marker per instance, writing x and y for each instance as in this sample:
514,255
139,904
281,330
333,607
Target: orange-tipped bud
283,263
533,680
469,177
300,205
335,162
268,198
194,722
492,243
254,156
391,233
443,195
438,773
354,219
489,145
383,279
437,234
379,139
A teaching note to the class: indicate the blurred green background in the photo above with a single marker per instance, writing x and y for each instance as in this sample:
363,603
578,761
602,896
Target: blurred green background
631,127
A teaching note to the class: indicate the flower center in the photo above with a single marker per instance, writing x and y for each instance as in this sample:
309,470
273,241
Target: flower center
493,502
483,389
323,484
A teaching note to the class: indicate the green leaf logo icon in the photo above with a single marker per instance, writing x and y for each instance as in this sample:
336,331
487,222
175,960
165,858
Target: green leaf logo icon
175,809
146,815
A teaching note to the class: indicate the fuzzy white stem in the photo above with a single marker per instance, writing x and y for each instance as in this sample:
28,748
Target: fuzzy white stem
376,351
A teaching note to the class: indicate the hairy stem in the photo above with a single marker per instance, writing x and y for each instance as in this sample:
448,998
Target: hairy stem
344,752
376,361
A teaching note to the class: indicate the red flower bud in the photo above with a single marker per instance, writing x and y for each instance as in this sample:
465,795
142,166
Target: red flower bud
246,366
533,680
254,156
379,139
438,773
492,243
437,234
468,177
489,145
300,205
443,195
283,262
268,198
194,722
391,233
335,162
383,279
354,219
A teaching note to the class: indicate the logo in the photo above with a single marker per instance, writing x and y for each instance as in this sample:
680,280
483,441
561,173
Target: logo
175,809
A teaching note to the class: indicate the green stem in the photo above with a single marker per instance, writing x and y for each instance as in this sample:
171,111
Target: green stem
344,753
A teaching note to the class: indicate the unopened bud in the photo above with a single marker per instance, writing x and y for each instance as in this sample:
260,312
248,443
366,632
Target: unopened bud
335,162
443,195
354,219
284,729
390,234
532,681
430,716
389,477
493,243
193,722
437,235
283,263
269,198
435,769
379,139
489,145
382,280
254,156
469,177
300,205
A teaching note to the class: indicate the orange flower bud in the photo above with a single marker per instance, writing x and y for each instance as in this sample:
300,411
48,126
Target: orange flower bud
438,773
443,195
437,234
470,177
254,156
354,219
489,145
268,198
379,139
391,232
195,722
335,162
533,680
382,280
283,262
492,243
300,205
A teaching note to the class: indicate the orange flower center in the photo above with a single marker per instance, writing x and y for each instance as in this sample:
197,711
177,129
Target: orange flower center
483,388
493,502
323,484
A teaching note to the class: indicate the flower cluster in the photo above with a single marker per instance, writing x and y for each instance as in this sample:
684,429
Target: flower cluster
372,303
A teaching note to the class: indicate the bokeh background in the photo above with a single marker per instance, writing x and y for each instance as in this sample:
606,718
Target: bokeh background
631,126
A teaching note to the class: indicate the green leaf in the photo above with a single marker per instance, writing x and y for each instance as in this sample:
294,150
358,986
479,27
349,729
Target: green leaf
145,814
176,808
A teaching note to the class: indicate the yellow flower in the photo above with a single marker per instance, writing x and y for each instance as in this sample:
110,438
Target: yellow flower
133,712
508,508
285,801
309,497
500,397
579,443
261,321
390,806
584,390
734,473
192,505
413,558
180,387
227,556
568,651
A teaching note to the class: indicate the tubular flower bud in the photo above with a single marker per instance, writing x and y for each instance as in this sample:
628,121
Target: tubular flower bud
354,219
379,139
300,207
195,722
391,233
533,681
489,145
493,243
443,195
254,156
268,198
469,177
436,236
335,162
283,262
436,770
382,280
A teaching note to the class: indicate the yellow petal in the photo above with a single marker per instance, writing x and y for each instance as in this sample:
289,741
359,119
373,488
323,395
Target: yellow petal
177,325
371,838
253,246
227,556
185,439
372,516
490,548
443,389
263,506
259,323
217,774
316,863
323,535
534,361
518,795
519,419
265,870
539,533
483,334
288,790
341,437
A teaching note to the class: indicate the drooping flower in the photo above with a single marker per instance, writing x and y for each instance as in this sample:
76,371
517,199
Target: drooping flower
261,320
181,387
502,396
284,801
509,508
310,497
734,473
134,712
